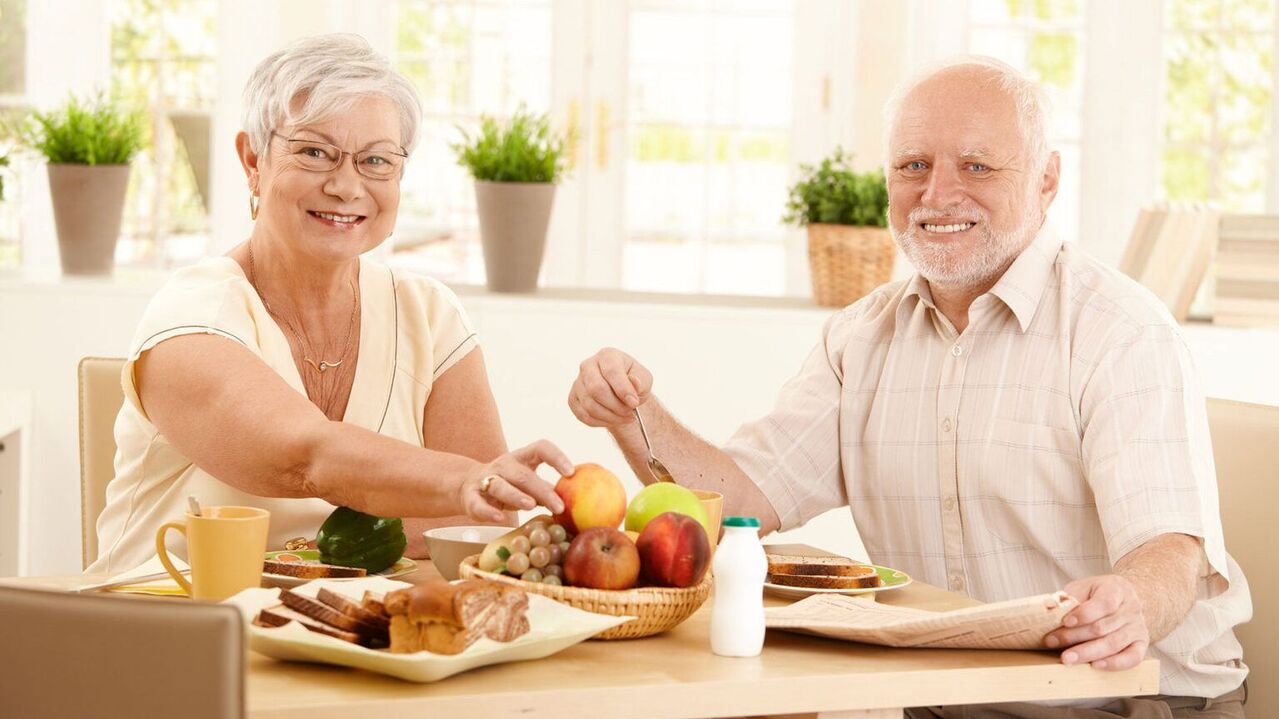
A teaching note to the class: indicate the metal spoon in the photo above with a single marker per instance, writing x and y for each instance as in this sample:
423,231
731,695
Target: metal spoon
193,505
655,466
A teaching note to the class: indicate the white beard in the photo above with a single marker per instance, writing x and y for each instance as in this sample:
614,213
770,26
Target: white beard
947,265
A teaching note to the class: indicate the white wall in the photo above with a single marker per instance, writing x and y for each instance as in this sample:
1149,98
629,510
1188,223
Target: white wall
715,365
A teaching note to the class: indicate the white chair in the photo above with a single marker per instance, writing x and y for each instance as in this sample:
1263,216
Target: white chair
75,655
101,397
1245,445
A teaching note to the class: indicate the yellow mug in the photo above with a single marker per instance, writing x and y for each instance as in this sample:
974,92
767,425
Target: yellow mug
225,548
713,503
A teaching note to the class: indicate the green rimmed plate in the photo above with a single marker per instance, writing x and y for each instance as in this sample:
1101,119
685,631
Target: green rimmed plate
890,578
401,567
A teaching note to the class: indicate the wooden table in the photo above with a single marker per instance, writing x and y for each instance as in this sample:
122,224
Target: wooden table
675,675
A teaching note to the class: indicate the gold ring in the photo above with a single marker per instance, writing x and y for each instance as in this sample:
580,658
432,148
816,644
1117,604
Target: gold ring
484,483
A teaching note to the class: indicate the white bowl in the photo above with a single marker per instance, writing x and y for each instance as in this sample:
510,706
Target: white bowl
450,545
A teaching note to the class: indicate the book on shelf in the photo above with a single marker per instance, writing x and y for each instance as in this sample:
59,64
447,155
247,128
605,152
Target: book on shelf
1247,271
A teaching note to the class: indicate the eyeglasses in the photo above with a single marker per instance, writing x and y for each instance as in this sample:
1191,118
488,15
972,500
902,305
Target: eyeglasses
318,156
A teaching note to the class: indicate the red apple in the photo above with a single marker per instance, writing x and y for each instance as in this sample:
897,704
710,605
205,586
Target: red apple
593,497
603,558
674,550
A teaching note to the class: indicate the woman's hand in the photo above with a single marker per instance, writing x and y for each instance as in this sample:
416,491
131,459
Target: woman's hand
610,386
510,483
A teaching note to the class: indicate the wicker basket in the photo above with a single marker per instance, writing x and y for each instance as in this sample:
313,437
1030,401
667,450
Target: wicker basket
848,262
656,609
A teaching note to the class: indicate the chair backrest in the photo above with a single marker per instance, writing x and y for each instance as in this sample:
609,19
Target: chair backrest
1245,445
100,399
75,655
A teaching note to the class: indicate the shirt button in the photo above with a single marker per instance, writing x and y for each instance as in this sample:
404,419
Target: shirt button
947,425
949,504
957,583
956,350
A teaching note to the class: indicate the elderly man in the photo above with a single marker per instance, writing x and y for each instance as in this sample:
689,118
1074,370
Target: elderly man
1016,418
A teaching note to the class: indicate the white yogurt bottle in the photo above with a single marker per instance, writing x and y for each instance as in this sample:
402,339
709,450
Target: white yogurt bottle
737,614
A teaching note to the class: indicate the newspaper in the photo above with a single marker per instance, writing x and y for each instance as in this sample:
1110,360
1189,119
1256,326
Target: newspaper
1015,624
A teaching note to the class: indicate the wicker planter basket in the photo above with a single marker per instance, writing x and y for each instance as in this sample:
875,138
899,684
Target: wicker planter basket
848,262
656,609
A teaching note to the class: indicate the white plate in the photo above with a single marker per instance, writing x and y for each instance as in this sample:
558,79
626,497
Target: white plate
401,567
552,628
892,579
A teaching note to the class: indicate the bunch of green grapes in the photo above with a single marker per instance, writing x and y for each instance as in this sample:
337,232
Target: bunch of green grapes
537,555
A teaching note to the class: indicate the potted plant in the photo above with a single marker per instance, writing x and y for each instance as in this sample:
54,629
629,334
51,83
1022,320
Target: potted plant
88,146
850,250
515,165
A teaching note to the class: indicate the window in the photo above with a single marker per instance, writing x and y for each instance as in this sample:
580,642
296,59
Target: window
466,58
683,114
708,126
13,70
1218,86
1044,39
163,57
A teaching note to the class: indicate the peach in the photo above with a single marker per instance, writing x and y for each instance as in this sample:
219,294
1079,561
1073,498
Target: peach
674,550
593,497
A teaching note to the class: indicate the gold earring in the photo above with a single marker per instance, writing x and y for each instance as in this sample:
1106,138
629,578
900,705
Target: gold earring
253,207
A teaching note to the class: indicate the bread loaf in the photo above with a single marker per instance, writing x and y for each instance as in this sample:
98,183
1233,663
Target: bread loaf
446,618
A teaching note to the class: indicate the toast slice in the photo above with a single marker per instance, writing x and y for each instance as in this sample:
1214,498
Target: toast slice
354,609
374,603
278,616
815,566
304,569
865,578
321,612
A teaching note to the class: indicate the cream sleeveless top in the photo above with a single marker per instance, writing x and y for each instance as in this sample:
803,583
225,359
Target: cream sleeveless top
412,330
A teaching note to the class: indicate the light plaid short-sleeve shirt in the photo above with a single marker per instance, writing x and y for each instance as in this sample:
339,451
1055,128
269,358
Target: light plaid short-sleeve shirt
1061,430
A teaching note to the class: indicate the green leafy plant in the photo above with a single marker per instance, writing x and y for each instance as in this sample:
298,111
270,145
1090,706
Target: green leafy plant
4,162
522,149
833,193
84,132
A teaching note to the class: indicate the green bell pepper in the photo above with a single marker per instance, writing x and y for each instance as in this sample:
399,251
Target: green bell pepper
354,539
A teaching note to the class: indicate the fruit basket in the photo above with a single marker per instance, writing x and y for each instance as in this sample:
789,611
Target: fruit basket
656,609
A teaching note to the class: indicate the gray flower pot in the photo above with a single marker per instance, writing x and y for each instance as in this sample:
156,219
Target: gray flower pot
514,217
88,201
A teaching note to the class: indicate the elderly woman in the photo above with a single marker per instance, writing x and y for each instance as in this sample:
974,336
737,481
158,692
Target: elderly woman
294,375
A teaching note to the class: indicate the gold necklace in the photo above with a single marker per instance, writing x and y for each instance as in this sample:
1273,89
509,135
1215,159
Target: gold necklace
323,365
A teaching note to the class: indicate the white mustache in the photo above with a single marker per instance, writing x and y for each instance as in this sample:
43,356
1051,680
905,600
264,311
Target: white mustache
923,214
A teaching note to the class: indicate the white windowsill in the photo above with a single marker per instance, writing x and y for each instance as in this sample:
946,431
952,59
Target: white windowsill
145,282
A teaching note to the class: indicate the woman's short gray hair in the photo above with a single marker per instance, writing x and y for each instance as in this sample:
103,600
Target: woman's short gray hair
328,73
1033,106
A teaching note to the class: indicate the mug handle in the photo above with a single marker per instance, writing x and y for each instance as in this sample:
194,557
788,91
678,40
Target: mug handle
163,553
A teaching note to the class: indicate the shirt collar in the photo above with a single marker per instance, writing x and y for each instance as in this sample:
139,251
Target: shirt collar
1021,287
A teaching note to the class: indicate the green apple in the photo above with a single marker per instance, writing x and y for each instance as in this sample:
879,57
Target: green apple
663,497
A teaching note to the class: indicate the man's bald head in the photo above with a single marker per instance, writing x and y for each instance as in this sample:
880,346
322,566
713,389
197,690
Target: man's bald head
967,73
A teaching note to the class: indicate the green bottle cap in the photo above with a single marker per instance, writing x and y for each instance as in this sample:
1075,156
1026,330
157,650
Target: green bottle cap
741,522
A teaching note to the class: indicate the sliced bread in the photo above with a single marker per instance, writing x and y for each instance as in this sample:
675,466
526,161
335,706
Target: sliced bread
352,608
306,569
322,612
866,578
815,565
280,615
